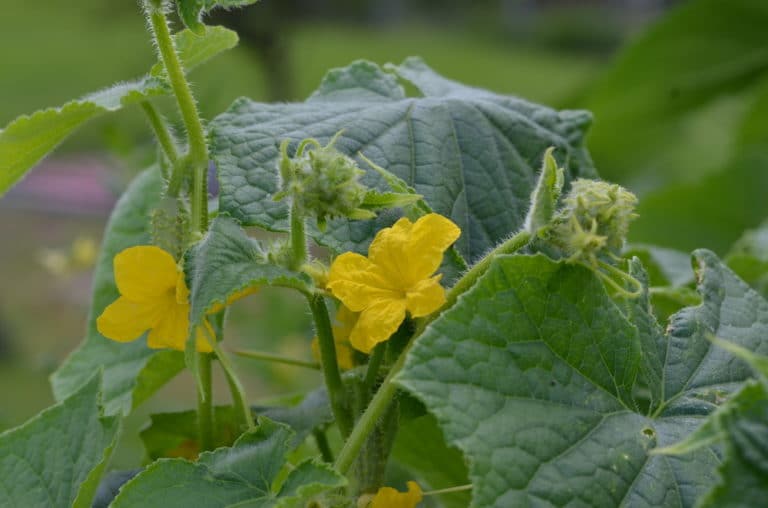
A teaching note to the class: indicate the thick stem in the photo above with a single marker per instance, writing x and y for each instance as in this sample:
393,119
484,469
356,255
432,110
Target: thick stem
162,133
298,238
205,402
239,399
271,357
329,364
383,398
197,156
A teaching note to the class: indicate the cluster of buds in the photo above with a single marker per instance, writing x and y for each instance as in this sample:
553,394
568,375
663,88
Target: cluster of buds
594,221
322,182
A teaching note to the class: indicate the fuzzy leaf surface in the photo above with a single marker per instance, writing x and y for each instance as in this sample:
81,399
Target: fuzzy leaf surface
57,458
243,475
27,139
472,154
132,371
537,348
226,261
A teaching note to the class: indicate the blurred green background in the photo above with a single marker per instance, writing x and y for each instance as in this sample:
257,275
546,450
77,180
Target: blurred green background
679,91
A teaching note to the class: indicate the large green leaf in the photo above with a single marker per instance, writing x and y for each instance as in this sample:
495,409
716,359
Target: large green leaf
244,475
529,374
472,154
57,458
700,51
26,140
227,261
132,371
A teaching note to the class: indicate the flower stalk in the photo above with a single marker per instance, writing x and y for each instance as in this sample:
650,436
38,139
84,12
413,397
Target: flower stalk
329,363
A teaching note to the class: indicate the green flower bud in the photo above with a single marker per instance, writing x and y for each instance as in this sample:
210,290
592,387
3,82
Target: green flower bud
321,181
593,222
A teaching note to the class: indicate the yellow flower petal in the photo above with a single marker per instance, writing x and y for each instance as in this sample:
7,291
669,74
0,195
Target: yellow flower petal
377,323
387,249
430,236
125,321
357,282
144,273
204,334
426,297
387,497
172,330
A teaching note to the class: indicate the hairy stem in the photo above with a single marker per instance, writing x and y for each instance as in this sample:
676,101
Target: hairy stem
329,364
205,402
298,238
197,156
162,133
383,398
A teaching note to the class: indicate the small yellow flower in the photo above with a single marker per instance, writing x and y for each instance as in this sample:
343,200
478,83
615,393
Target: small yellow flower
395,277
153,296
387,497
344,352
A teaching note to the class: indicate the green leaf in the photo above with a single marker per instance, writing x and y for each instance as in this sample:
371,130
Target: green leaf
191,11
57,458
244,475
666,267
700,51
419,446
27,139
132,371
544,198
176,434
538,349
227,261
472,154
196,49
749,258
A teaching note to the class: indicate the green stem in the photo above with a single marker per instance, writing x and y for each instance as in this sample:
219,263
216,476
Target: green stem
239,399
197,156
298,239
381,401
329,364
374,363
271,357
322,445
460,488
162,133
205,402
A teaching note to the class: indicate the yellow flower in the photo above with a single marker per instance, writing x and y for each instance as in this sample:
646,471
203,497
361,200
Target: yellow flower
387,497
344,353
395,277
153,296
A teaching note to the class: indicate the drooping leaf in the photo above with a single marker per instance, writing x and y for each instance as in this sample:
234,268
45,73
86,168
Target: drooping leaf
27,139
132,371
472,154
538,349
57,458
191,11
227,261
700,51
243,475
